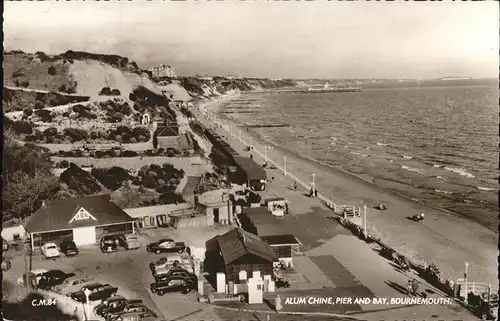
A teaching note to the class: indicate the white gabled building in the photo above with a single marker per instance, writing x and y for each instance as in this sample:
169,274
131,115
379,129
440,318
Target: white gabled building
83,220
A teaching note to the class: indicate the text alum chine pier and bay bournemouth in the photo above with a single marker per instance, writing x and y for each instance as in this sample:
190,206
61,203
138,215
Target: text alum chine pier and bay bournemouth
250,161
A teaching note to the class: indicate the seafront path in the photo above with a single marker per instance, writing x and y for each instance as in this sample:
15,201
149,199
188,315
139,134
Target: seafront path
444,238
337,264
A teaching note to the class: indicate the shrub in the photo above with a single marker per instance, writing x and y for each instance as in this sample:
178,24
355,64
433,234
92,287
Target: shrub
28,112
65,114
62,88
129,153
64,163
51,131
149,182
105,91
51,70
39,105
170,198
111,178
22,127
115,92
117,117
75,134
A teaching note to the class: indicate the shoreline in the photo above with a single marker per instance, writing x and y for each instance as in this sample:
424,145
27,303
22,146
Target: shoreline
440,240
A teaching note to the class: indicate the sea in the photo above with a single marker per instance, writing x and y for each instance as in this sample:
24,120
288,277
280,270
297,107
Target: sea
436,142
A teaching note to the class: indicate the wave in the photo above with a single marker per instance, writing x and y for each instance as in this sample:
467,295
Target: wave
443,191
459,171
381,144
411,169
407,157
441,177
485,188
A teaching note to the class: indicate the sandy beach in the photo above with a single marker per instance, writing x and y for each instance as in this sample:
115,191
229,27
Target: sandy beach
444,238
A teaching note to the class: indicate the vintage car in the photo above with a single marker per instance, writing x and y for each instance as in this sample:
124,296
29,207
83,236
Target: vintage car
174,284
113,304
170,270
33,275
129,241
165,261
68,248
72,284
97,292
136,308
53,278
108,244
6,264
49,250
165,246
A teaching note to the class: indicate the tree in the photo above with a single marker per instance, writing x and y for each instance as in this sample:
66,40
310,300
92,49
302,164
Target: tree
51,70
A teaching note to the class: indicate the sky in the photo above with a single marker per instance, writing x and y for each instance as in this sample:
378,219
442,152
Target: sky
417,40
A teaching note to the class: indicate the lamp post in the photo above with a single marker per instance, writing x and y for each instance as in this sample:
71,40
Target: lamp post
313,185
465,279
284,161
364,221
87,293
240,136
251,145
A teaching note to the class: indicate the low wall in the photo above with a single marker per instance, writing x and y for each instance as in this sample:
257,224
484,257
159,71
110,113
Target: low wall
187,222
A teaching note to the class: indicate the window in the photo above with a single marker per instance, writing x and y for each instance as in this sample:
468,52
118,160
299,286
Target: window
243,275
82,214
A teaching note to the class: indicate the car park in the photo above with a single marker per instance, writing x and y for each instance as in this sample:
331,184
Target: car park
53,278
68,248
108,244
113,304
49,250
172,284
166,246
97,292
131,308
72,284
33,275
129,241
136,316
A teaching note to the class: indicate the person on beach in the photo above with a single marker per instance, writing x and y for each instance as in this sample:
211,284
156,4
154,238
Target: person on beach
295,186
414,286
409,288
316,193
311,192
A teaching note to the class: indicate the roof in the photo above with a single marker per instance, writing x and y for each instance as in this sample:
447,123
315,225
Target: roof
256,211
274,199
138,212
56,215
167,130
252,170
237,243
214,198
284,239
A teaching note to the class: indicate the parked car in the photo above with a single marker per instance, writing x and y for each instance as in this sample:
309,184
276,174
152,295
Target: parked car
34,275
165,246
165,261
68,248
72,284
129,241
49,250
136,308
173,284
136,316
108,244
113,304
170,270
6,264
53,278
98,292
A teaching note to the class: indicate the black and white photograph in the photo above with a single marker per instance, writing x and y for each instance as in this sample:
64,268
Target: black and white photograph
250,160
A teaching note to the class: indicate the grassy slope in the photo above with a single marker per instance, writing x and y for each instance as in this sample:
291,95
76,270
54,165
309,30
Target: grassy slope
29,68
